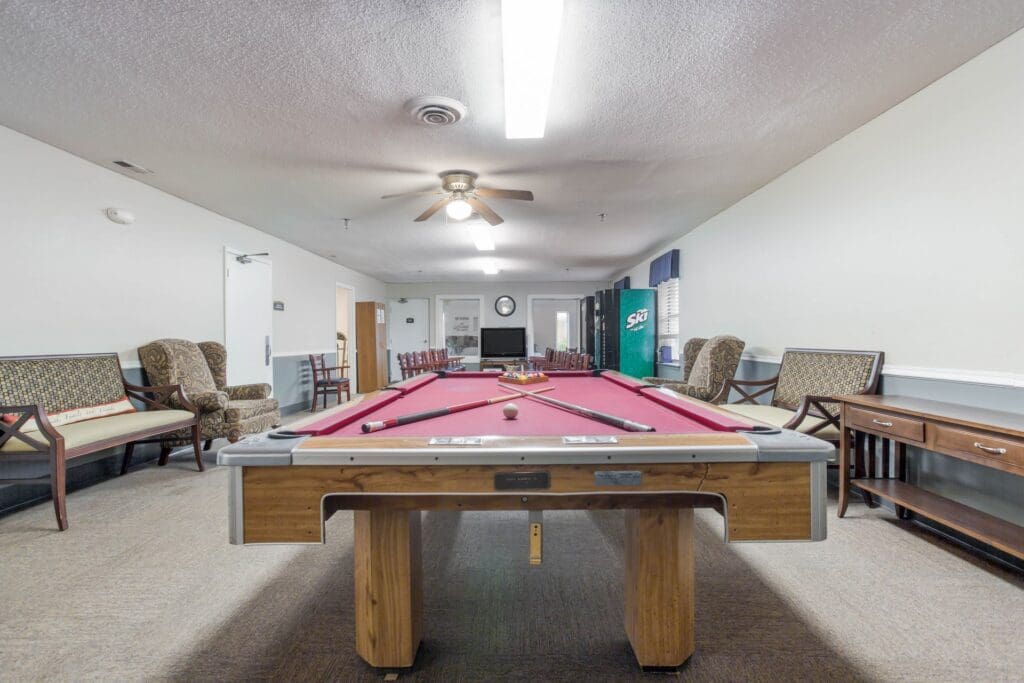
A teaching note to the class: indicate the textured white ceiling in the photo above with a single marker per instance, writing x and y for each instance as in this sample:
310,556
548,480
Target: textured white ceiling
289,116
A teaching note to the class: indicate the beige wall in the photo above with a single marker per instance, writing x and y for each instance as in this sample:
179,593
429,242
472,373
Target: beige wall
77,282
907,235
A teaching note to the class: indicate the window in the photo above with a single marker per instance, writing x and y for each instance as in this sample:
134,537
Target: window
562,330
668,319
461,324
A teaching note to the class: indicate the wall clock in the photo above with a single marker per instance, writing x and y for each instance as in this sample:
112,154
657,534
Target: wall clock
505,305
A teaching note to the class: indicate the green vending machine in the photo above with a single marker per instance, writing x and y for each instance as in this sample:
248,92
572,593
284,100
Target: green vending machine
627,330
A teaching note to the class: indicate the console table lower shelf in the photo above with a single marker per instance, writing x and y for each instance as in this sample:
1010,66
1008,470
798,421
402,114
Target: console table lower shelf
983,437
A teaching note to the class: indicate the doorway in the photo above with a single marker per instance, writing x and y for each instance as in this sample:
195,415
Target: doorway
553,322
248,318
344,316
408,329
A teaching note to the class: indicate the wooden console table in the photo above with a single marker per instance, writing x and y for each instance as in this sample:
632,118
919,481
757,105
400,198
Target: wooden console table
984,437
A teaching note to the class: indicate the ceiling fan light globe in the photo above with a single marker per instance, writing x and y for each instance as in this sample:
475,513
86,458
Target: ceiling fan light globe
458,210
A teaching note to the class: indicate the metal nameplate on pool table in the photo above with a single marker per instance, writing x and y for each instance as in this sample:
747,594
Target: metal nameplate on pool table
506,481
617,477
605,438
456,441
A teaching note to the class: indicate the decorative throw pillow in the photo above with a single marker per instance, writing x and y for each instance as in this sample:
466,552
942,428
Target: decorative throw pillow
73,415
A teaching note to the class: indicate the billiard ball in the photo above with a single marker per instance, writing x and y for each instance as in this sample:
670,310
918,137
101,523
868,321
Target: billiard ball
510,410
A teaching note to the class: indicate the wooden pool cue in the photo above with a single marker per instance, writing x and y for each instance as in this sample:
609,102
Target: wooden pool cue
378,425
613,420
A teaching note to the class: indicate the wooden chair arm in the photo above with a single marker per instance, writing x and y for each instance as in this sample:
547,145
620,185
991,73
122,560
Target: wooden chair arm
54,439
804,409
161,395
768,385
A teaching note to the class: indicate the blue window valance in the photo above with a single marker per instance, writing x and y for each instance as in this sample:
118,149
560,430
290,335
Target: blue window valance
665,267
622,284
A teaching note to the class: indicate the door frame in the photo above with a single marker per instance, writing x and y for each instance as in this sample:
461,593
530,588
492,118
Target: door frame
439,300
232,252
530,298
350,332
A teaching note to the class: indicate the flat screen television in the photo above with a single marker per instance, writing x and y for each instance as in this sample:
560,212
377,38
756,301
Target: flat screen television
503,342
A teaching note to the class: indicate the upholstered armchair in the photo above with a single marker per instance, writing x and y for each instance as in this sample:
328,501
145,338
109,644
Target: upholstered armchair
201,370
713,364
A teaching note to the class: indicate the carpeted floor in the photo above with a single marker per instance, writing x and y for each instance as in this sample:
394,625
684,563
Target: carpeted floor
144,586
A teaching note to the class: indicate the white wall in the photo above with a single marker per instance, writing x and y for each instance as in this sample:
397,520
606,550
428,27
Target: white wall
76,282
490,291
907,236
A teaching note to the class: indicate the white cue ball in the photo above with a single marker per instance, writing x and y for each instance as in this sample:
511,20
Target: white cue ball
510,410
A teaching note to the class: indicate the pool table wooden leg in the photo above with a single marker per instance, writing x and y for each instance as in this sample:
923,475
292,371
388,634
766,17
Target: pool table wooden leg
389,586
659,585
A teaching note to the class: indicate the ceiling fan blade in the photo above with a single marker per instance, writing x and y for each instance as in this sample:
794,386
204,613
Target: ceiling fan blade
411,194
505,194
486,212
434,208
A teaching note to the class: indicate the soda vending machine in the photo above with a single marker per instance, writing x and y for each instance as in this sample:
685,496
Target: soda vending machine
626,330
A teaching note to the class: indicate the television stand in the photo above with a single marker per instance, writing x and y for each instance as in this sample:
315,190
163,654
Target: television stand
500,363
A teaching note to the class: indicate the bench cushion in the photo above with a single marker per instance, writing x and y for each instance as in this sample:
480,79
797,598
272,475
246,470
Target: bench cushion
780,416
93,431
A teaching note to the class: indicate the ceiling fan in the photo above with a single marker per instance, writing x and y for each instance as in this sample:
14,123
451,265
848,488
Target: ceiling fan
461,197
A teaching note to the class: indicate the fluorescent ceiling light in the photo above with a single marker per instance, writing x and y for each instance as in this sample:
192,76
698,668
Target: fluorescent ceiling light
529,34
458,209
482,237
490,266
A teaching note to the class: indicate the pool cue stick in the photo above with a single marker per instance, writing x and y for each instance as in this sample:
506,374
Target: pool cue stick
369,427
613,420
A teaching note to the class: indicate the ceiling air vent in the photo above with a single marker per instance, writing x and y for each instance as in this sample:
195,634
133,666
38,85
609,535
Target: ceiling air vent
435,110
131,167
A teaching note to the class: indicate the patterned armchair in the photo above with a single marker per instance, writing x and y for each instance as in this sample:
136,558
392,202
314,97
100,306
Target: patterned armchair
201,370
713,365
802,391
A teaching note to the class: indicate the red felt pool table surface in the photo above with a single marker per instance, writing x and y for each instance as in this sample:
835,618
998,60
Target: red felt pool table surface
607,392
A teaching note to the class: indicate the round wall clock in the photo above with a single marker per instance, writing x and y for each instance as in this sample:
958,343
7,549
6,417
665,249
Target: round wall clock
505,306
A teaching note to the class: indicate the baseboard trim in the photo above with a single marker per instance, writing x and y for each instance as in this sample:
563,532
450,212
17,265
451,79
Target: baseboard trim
980,377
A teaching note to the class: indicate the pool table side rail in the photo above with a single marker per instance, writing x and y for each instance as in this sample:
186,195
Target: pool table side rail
782,501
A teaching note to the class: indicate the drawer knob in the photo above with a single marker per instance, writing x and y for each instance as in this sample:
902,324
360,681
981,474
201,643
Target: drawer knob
990,449
888,424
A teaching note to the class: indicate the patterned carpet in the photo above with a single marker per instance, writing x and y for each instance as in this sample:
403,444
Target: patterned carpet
144,586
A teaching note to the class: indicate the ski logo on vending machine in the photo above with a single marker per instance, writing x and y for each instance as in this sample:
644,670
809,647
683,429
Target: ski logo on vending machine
636,320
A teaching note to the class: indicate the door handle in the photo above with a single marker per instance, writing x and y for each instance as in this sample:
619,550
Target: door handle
266,350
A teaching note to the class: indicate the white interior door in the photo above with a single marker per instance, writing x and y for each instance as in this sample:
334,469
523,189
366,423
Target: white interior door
408,329
248,318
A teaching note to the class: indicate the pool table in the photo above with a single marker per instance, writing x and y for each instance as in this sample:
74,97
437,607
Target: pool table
768,484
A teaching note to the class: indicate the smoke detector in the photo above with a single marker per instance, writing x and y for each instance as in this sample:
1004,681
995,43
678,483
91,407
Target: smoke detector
434,110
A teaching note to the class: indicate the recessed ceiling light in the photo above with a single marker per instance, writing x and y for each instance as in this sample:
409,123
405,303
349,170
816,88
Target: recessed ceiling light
490,267
482,237
529,34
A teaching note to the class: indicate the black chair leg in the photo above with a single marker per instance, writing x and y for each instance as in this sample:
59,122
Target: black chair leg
207,444
165,453
126,463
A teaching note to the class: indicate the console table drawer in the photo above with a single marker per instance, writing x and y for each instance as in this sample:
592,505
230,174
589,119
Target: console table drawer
884,423
977,445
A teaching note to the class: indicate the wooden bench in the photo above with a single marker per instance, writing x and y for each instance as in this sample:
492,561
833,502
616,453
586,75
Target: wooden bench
64,407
